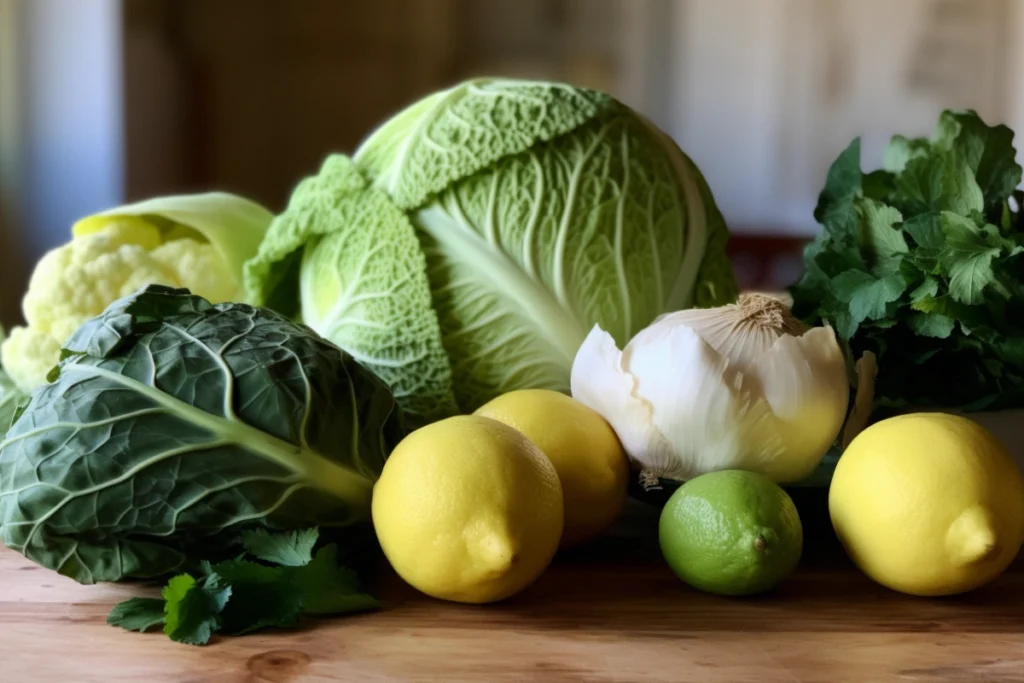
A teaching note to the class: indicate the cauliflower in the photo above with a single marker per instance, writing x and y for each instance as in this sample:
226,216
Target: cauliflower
117,253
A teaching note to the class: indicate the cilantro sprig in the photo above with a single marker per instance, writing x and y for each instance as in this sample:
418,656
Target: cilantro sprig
920,263
273,584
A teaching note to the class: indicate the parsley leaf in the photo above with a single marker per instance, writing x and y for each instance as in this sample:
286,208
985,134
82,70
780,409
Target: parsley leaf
192,608
937,325
939,182
843,182
926,290
137,614
884,241
262,597
329,589
290,549
989,153
926,229
274,584
901,150
967,258
866,295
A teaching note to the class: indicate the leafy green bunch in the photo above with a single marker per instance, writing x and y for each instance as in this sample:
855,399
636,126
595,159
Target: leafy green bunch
919,262
273,584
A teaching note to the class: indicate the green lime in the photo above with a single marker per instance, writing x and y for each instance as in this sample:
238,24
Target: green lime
731,533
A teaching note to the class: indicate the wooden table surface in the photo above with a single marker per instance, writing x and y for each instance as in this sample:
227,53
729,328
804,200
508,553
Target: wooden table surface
612,613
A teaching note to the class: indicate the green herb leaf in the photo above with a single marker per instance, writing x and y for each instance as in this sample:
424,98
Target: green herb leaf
843,182
901,150
137,614
931,325
291,549
926,229
994,238
884,241
878,185
988,151
866,295
261,597
940,182
1011,351
192,608
926,290
967,258
330,589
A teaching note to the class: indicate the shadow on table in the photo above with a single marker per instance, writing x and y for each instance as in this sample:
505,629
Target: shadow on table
621,584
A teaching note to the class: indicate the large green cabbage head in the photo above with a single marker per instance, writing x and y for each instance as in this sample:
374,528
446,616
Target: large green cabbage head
475,238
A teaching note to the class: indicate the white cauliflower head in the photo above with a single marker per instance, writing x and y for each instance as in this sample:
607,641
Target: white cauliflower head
119,252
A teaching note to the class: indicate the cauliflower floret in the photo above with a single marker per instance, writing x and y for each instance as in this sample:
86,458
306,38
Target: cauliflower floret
76,281
27,355
199,267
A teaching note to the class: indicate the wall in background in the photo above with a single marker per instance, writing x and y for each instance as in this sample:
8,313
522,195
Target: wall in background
253,106
766,93
71,120
250,95
60,126
12,267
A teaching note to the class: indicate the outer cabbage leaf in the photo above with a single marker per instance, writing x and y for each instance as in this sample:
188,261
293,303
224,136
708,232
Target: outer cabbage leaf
363,283
173,424
457,132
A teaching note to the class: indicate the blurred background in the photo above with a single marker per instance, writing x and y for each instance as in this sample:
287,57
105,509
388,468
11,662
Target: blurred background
105,101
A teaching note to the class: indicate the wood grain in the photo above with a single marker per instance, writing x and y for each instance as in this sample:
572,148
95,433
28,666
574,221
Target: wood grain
610,614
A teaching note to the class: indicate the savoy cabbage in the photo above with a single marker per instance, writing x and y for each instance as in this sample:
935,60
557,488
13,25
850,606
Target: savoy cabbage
474,239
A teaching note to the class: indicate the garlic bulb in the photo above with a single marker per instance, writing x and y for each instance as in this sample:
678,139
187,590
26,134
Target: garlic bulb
744,386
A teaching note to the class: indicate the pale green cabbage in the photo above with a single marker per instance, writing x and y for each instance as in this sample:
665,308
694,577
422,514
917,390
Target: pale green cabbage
473,240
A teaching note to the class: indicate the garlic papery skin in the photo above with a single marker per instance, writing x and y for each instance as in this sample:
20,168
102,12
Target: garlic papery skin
744,386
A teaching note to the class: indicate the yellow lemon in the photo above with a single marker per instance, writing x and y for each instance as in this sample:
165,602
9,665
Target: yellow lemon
928,504
468,509
583,447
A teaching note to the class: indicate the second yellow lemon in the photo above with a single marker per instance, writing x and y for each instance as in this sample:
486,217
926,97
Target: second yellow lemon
583,447
928,504
467,509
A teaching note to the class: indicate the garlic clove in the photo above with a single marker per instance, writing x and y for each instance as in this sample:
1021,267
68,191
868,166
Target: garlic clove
803,380
701,403
599,381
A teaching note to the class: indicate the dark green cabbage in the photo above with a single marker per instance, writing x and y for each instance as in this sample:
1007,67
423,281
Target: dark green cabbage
173,425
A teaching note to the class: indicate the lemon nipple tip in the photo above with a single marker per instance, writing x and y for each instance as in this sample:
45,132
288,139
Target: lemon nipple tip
971,537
